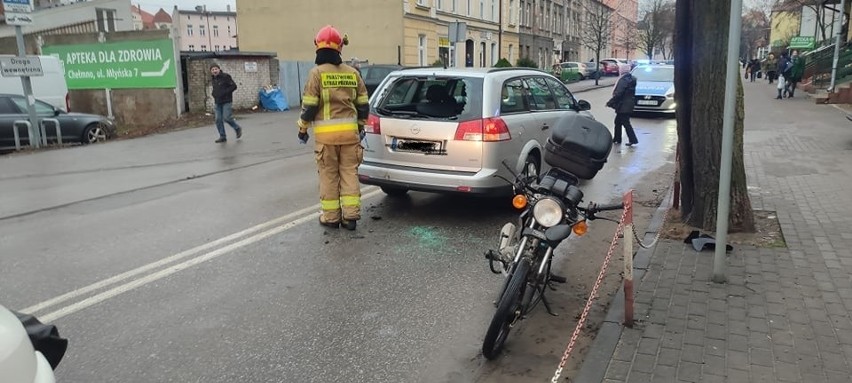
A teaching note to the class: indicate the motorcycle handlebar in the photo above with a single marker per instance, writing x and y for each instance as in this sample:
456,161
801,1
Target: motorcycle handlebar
617,206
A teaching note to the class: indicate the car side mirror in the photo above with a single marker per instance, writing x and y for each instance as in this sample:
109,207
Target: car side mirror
584,105
56,112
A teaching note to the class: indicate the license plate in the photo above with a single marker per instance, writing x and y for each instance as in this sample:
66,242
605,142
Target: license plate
417,146
646,102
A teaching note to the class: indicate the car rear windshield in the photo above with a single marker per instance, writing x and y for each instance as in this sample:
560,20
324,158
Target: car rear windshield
649,73
449,98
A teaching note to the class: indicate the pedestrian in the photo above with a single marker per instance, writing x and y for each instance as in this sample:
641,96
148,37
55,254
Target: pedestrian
785,67
770,67
223,96
623,100
335,105
796,72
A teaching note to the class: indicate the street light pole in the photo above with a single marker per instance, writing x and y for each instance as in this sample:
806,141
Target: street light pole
837,47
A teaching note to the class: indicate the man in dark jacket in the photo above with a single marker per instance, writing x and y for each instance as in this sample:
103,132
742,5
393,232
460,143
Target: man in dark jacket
223,96
623,100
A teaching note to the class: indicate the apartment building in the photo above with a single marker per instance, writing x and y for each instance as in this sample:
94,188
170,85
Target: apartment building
624,40
411,32
76,16
202,30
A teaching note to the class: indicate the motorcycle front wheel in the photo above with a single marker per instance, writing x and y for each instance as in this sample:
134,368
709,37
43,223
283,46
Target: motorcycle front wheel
508,310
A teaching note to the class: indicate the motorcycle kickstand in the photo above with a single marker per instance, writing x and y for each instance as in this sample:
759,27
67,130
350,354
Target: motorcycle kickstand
547,305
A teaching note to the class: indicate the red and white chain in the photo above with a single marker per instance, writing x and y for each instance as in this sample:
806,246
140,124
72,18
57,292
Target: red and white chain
618,232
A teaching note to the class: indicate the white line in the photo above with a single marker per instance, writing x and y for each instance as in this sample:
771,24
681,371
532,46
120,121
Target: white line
88,302
370,191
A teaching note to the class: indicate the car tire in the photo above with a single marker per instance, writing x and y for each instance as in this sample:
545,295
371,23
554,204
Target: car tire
94,133
394,191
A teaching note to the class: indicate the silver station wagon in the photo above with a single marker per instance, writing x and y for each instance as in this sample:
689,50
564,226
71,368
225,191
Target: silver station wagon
452,130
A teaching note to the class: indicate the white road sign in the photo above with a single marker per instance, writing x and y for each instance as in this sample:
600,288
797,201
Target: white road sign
11,66
18,18
18,6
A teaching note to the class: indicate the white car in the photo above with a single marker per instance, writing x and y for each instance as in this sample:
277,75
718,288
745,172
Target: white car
19,361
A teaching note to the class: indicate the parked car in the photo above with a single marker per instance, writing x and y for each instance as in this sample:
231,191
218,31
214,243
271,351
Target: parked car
374,74
585,70
610,67
654,88
75,127
622,63
570,71
451,130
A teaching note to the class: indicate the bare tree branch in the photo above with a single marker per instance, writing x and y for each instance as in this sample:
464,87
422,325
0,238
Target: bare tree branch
656,29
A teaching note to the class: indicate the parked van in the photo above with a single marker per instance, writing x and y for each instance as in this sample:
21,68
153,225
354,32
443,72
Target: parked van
50,88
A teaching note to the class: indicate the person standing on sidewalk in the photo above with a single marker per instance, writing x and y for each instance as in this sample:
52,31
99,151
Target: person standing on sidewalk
770,67
335,105
223,96
785,67
623,100
796,73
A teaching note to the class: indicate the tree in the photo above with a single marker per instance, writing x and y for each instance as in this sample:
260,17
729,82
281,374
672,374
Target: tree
823,28
755,33
598,27
701,44
656,27
629,39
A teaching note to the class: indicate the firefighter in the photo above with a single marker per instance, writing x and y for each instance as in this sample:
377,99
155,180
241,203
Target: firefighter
334,104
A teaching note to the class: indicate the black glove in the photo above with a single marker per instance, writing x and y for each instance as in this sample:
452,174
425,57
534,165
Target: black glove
361,132
303,137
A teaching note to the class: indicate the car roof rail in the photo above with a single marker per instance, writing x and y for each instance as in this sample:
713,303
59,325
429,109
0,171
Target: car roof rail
492,70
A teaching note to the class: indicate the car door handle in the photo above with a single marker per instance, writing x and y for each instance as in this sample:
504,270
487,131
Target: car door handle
545,127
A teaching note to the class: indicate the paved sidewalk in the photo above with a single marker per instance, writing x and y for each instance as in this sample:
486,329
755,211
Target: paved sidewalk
784,315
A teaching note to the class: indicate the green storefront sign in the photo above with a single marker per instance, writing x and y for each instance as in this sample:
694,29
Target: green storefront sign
117,65
802,42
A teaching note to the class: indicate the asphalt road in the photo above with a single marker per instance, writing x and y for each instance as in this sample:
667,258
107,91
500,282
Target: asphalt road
169,258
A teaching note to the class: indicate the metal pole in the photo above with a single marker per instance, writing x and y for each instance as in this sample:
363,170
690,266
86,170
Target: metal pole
628,259
34,134
109,103
837,46
724,206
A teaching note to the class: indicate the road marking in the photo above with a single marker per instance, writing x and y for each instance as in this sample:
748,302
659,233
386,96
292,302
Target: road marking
290,219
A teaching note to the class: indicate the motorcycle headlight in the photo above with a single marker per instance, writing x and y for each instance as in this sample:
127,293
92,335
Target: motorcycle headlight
548,212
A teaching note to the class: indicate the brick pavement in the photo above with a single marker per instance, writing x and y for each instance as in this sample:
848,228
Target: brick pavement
784,315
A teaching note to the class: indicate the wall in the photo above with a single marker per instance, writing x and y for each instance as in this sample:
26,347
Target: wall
76,13
374,27
784,25
131,107
293,75
248,83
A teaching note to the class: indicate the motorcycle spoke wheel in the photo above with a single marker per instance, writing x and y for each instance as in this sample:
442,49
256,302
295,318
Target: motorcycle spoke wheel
509,310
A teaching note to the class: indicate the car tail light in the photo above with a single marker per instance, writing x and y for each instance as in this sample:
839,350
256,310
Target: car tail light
373,125
68,102
486,130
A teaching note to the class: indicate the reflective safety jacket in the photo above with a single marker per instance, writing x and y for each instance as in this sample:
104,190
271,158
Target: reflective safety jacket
334,103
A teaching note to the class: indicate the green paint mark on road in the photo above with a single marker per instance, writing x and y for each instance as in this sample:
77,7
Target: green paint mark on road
428,237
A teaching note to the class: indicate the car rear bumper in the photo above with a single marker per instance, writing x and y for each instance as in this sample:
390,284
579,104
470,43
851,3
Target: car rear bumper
482,182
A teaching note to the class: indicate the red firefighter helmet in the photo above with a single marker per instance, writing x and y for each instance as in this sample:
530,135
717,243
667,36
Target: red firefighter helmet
328,37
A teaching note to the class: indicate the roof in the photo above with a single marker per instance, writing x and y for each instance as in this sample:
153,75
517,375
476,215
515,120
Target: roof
211,13
147,18
162,17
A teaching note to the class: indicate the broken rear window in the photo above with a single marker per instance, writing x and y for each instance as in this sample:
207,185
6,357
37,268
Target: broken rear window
453,98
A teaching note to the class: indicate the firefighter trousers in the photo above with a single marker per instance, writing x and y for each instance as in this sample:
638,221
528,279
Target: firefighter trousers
339,186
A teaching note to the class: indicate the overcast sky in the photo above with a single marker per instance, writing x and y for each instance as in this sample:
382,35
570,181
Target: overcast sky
212,5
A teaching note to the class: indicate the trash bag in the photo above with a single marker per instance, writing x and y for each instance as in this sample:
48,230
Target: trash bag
45,338
272,98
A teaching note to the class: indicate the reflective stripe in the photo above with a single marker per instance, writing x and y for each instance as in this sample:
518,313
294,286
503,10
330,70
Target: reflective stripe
344,127
310,100
361,100
350,200
326,107
330,204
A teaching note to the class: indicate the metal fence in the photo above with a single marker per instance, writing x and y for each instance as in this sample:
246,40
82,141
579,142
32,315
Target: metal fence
292,78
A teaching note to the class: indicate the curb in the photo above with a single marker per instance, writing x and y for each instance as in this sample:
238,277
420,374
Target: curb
593,87
596,361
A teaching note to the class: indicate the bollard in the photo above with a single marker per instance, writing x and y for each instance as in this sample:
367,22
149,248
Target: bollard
16,125
628,259
57,129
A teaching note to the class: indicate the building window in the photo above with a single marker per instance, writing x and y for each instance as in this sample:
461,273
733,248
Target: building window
512,18
204,48
215,31
494,9
482,9
421,50
469,7
482,54
191,47
455,6
511,53
421,2
189,30
105,19
438,4
216,48
201,30
494,54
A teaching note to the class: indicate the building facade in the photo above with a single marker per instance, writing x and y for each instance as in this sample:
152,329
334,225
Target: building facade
624,40
200,30
411,32
60,17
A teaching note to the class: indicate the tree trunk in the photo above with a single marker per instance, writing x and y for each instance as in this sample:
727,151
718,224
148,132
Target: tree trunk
701,50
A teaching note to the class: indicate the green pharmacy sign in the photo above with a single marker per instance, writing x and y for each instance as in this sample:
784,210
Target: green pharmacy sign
117,65
802,42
